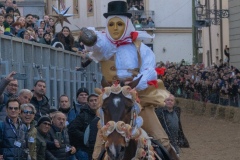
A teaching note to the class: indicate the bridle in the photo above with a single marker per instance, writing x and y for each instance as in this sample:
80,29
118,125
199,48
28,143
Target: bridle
128,131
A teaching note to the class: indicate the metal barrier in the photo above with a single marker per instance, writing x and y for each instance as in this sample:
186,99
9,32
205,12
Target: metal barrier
215,98
40,61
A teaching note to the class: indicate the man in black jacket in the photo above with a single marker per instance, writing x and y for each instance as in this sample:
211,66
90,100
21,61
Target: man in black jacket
169,117
79,137
39,99
59,136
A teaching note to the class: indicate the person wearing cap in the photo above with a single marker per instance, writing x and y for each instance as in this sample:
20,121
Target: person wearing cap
59,134
123,57
78,127
43,127
9,10
82,95
27,114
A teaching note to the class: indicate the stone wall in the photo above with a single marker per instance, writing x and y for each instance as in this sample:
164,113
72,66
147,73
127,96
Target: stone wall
210,110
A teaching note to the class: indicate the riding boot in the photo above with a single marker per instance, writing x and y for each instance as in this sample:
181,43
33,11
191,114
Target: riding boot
153,127
173,154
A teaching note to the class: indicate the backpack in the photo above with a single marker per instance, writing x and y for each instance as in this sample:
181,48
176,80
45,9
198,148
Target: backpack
91,132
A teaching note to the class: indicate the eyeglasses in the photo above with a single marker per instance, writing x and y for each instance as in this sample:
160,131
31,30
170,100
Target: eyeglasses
47,124
13,108
13,85
28,112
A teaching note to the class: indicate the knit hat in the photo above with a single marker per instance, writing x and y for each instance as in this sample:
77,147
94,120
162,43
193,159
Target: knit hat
52,110
9,9
46,34
83,89
92,95
43,119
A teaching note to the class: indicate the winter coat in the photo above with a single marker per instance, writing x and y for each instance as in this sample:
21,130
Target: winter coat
72,114
77,128
67,45
181,140
41,144
42,109
32,135
58,153
11,138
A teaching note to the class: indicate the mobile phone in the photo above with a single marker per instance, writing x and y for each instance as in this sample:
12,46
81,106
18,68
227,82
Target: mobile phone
59,136
20,76
14,2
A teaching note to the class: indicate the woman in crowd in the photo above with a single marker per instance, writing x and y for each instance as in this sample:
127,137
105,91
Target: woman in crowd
52,24
42,24
22,21
64,37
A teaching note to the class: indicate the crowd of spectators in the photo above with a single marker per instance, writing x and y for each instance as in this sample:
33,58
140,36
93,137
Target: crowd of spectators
32,129
218,84
139,14
136,5
34,28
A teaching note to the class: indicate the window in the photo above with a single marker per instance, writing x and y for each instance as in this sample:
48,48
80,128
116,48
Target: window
75,9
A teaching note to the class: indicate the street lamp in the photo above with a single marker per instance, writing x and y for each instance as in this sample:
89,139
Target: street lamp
204,14
199,9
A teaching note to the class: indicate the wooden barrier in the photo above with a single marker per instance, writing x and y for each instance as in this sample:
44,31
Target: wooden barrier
228,113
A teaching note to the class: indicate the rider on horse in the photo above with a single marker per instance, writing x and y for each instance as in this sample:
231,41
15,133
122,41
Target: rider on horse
124,57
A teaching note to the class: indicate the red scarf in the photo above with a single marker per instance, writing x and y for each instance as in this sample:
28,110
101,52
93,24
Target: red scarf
126,40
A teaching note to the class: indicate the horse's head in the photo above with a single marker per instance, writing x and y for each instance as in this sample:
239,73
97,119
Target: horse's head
117,117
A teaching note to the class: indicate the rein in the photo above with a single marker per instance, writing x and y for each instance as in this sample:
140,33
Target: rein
129,131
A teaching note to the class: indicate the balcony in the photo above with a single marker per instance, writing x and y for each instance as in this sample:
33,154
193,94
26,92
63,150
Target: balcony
143,20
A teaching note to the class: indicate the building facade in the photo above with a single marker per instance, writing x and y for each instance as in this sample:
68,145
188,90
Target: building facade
213,38
172,23
234,32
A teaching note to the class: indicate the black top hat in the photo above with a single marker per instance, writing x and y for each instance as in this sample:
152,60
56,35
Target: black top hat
117,8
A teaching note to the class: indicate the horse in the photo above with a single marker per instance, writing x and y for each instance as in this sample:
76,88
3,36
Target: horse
121,126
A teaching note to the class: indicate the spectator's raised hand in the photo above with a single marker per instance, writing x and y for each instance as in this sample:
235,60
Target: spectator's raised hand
10,76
